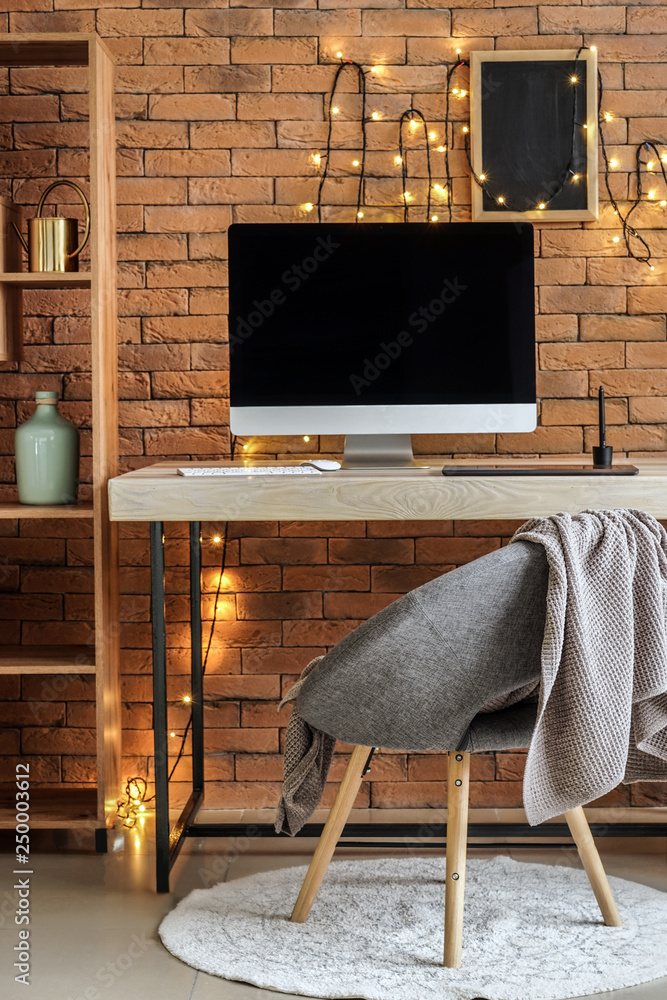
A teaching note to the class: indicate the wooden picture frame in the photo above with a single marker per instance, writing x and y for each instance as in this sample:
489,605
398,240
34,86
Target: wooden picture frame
521,121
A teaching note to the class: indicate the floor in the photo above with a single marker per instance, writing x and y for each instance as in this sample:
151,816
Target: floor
94,918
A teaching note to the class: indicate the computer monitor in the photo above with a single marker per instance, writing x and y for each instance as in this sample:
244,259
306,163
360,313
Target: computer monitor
381,330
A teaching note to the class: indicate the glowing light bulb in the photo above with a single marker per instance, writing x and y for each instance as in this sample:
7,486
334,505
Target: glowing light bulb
374,69
462,93
317,158
663,204
308,207
187,699
339,55
434,218
306,437
541,205
458,52
608,117
573,79
664,157
398,159
406,195
617,239
575,177
334,111
442,149
501,200
613,162
652,195
376,115
217,539
651,267
432,135
355,163
455,90
465,129
593,48
245,447
482,177
437,187
585,126
650,165
142,808
413,123
172,735
360,215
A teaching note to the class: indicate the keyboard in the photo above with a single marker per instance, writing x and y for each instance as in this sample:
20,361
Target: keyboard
257,470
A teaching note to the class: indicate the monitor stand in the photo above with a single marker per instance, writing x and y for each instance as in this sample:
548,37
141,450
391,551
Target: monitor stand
380,451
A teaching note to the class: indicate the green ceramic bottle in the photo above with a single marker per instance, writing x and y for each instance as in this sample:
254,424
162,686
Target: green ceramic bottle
47,455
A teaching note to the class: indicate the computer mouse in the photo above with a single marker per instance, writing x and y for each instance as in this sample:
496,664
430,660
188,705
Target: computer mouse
323,464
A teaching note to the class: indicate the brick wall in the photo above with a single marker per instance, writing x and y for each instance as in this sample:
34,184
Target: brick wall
220,112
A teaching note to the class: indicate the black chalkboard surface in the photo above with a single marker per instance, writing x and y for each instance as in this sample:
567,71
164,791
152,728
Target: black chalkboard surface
534,135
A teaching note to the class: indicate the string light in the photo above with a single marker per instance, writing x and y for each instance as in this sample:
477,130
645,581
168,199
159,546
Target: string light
458,52
482,177
575,177
594,48
573,79
398,159
414,117
339,55
360,215
187,699
129,806
345,65
455,90
613,162
465,129
173,735
432,136
355,163
434,218
652,195
663,204
245,447
334,111
463,93
308,206
317,159
376,115
541,205
501,200
441,149
217,539
608,117
413,123
306,437
437,187
650,165
617,239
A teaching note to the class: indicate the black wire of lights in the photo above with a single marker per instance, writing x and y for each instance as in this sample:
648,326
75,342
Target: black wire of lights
333,112
414,117
135,800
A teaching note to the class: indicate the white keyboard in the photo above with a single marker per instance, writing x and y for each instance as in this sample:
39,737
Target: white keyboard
257,470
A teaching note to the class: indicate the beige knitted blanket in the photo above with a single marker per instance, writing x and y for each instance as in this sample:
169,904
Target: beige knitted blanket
602,714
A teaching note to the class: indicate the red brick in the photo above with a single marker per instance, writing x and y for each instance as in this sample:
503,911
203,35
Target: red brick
283,551
279,660
355,605
373,551
567,357
140,22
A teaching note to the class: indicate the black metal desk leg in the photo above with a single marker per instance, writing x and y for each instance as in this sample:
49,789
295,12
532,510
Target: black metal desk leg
197,682
160,708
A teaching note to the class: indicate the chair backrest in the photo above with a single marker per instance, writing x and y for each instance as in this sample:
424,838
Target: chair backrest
415,676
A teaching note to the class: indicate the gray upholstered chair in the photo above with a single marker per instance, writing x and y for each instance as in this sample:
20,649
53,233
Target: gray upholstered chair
426,673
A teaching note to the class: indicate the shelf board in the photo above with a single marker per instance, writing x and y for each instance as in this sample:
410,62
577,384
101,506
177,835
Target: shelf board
51,808
46,510
46,279
48,49
47,660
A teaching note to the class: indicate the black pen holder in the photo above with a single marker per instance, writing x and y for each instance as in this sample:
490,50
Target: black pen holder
602,456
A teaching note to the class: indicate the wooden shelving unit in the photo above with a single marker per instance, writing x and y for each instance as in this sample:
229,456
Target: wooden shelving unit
67,807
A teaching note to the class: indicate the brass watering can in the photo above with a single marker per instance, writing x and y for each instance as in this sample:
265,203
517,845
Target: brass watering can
52,240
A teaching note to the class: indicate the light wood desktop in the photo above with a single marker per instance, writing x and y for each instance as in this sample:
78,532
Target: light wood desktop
157,494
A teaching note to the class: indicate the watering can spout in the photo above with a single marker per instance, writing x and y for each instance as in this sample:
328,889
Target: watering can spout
21,237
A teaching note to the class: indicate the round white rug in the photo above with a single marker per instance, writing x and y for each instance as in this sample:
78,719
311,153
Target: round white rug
531,932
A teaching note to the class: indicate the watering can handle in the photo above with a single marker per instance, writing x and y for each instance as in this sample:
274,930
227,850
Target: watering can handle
86,232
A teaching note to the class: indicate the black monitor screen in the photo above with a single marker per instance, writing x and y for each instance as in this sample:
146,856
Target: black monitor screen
381,313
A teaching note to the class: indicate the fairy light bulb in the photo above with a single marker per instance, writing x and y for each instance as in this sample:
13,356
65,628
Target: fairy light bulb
217,539
172,735
442,149
360,215
437,187
306,437
374,69
613,162
245,447
541,205
187,699
463,93
651,267
664,157
663,204
339,55
334,111
317,159
142,808
413,123
308,207
375,116
398,159
355,163
465,129
652,195
482,177
617,239
585,125
575,177
573,79
650,165
501,200
608,116
593,48
432,136
455,90
434,218
458,52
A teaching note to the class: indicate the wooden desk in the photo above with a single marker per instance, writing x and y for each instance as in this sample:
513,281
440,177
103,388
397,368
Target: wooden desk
157,494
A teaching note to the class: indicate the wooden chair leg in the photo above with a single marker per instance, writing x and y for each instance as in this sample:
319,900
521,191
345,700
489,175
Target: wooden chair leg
458,782
588,852
333,828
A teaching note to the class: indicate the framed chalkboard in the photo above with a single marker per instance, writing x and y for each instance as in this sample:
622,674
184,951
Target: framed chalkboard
533,135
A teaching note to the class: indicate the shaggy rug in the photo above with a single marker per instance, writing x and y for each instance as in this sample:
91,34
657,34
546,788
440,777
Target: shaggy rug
531,932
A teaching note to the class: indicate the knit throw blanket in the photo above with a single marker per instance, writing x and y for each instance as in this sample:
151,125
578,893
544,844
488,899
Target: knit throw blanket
602,712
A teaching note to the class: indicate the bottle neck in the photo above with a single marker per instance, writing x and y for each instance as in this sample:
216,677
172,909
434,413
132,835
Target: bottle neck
45,410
